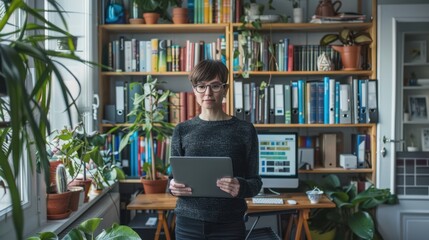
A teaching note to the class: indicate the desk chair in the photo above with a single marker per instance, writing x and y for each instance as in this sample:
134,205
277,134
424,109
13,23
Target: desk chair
265,233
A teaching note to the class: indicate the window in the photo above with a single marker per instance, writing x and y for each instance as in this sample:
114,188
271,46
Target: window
22,180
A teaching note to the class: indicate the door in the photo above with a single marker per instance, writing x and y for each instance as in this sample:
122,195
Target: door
410,218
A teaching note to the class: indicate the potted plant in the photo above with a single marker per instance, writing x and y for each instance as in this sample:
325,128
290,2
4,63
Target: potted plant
156,9
298,13
84,157
86,230
27,122
354,215
352,41
58,200
150,110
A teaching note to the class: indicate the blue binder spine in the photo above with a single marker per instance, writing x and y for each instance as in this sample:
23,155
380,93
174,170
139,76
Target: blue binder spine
326,100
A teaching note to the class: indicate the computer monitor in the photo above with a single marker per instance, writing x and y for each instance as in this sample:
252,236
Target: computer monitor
278,160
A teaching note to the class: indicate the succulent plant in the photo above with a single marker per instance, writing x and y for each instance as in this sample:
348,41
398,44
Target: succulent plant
61,178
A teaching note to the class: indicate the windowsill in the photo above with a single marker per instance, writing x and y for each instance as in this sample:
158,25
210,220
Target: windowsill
57,226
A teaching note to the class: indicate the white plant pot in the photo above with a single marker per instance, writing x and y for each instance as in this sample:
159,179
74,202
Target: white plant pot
298,15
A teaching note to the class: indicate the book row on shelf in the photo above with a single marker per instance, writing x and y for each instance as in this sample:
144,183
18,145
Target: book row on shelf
160,55
214,11
326,152
132,158
284,55
182,105
324,101
163,55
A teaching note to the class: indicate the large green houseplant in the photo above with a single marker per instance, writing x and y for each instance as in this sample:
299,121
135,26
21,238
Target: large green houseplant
24,116
353,217
150,110
86,231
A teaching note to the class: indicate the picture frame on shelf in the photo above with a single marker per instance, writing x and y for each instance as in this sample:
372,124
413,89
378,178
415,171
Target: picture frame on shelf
425,139
418,108
415,51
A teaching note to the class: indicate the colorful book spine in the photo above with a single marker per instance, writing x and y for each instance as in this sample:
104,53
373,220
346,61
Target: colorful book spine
337,102
191,11
326,100
162,56
169,56
154,54
301,101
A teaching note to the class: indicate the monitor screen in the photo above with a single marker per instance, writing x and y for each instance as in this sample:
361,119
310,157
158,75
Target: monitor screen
278,160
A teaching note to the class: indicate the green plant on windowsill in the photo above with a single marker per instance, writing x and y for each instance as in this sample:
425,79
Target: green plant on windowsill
353,217
150,110
82,154
86,231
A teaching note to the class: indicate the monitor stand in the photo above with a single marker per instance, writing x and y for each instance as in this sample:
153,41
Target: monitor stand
271,193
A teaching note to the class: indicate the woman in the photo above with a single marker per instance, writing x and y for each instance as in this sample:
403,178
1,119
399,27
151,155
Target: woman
215,133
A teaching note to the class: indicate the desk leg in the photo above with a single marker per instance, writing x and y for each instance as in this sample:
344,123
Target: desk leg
159,225
299,226
291,222
302,223
162,223
305,215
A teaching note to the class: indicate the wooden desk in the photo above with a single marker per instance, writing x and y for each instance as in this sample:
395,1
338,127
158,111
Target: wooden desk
163,202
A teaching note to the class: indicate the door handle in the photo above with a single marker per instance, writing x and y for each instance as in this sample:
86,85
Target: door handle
388,140
383,152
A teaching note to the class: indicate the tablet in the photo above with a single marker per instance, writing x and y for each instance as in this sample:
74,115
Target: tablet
201,173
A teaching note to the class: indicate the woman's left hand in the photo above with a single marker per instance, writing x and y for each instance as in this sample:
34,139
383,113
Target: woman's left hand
229,185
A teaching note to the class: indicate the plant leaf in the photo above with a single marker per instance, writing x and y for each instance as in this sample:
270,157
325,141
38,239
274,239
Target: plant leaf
89,226
362,225
118,232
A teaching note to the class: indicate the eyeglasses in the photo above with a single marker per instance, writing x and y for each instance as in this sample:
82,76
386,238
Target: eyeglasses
216,87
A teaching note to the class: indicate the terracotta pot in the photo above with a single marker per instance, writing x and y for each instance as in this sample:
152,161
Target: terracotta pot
136,21
75,197
154,186
180,19
350,57
151,18
58,203
86,184
179,11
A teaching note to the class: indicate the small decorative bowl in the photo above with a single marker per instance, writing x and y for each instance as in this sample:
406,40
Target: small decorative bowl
314,195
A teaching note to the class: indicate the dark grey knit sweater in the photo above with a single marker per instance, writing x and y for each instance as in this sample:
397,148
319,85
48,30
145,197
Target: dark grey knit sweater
233,138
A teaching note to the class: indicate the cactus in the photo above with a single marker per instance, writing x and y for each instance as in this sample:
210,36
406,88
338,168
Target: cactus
61,178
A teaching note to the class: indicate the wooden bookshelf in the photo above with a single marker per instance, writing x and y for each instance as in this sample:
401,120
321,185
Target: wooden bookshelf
107,33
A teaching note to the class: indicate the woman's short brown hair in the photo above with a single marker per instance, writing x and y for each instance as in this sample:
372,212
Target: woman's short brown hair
207,70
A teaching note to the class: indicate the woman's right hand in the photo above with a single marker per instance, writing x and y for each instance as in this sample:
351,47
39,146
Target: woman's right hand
179,189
